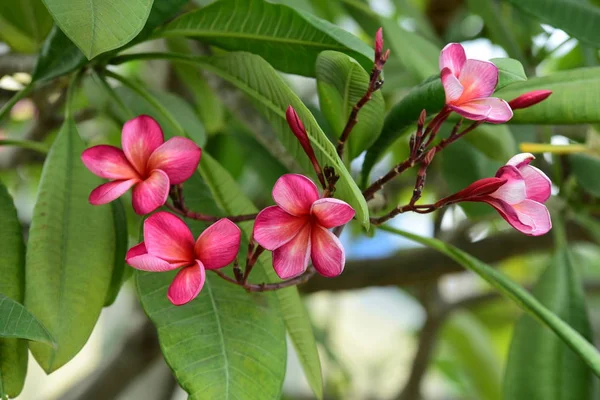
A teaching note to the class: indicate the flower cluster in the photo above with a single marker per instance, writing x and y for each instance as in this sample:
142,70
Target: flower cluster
297,229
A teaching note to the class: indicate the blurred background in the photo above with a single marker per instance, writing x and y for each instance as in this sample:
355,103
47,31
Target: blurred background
401,322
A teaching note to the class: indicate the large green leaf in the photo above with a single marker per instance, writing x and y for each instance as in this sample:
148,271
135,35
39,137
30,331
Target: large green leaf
225,344
17,322
578,18
289,39
97,26
58,56
24,24
586,169
540,366
582,347
233,202
575,98
509,71
341,83
70,253
271,95
13,352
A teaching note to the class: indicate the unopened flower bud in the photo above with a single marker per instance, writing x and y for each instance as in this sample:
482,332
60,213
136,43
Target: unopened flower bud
299,131
378,43
529,99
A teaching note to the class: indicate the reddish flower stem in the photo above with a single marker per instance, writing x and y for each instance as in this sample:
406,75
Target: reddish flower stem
266,287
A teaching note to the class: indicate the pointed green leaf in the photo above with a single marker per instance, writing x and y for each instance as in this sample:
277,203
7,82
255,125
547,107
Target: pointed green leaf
70,253
97,26
341,83
540,366
13,352
288,38
575,98
509,71
233,202
578,18
59,56
24,24
17,322
119,273
582,347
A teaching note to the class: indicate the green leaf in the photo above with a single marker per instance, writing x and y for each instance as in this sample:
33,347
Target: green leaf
119,273
575,98
497,28
341,83
495,141
17,322
418,55
58,57
70,253
13,352
587,170
429,96
540,366
516,293
289,39
24,24
509,71
233,202
577,18
97,26
225,344
209,107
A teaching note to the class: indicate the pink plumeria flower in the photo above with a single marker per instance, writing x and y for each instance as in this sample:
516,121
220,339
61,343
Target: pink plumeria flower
297,228
518,193
168,244
468,85
147,163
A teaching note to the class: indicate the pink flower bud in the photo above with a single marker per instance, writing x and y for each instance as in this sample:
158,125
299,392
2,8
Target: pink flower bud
300,132
378,43
529,99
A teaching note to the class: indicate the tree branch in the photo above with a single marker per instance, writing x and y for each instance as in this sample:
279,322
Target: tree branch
422,264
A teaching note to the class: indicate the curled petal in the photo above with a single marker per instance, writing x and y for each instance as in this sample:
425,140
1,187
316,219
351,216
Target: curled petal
513,191
332,212
453,57
274,227
292,258
187,284
295,194
520,160
218,245
108,162
139,258
452,86
482,187
535,215
140,137
490,109
479,78
472,110
168,237
509,214
177,157
500,111
327,252
151,193
537,185
109,191
137,250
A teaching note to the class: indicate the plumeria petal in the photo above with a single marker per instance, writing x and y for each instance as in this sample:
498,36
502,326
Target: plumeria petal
274,227
327,252
472,110
332,212
292,258
151,193
177,157
537,184
453,57
452,86
479,78
218,245
535,215
147,262
168,237
137,250
140,137
108,162
109,191
295,194
482,187
500,111
520,160
509,214
187,284
513,191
